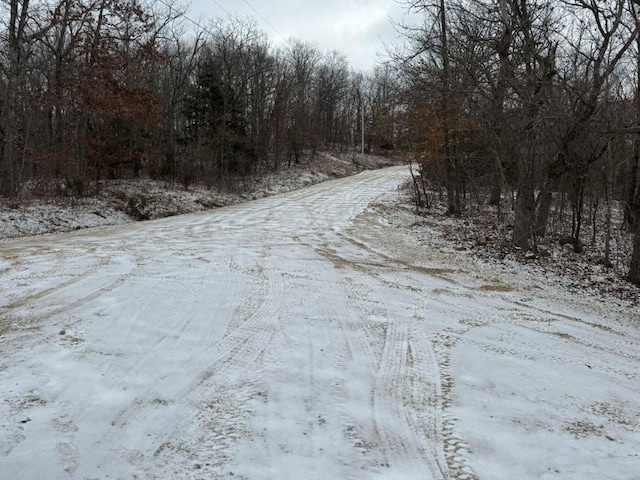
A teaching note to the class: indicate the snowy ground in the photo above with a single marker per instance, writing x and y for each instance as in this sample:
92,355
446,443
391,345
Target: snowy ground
51,208
305,336
582,273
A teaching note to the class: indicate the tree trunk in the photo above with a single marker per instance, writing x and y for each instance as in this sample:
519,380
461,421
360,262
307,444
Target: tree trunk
525,207
634,269
595,203
503,47
577,248
632,206
608,193
452,175
417,188
496,191
9,171
544,209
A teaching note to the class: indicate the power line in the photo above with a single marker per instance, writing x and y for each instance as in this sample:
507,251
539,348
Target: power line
263,19
182,14
228,13
170,7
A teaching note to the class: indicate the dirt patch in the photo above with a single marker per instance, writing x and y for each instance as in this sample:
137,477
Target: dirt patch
564,336
496,288
450,293
583,428
614,414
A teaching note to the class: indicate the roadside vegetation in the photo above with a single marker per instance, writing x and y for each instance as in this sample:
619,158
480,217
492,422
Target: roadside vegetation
530,107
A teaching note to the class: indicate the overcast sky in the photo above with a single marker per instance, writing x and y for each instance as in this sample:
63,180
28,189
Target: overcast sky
357,28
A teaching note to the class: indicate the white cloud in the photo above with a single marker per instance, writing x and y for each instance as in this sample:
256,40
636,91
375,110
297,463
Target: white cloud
357,28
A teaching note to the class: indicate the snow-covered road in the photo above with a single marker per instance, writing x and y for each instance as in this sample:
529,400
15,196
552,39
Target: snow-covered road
303,336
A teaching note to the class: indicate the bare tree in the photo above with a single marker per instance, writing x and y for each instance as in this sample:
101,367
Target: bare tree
22,31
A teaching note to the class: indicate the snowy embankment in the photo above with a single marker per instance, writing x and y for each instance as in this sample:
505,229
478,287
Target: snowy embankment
305,336
126,201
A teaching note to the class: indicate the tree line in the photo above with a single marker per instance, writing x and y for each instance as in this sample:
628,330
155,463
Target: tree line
95,89
530,100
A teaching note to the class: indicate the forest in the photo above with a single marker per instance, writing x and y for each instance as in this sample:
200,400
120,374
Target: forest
110,88
528,106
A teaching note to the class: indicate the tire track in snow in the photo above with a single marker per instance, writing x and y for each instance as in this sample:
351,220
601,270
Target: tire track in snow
591,332
426,391
27,299
455,449
364,344
399,390
360,336
399,442
139,411
17,315
428,433
221,395
227,384
350,428
400,436
175,442
528,323
255,323
356,349
297,408
324,410
388,366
